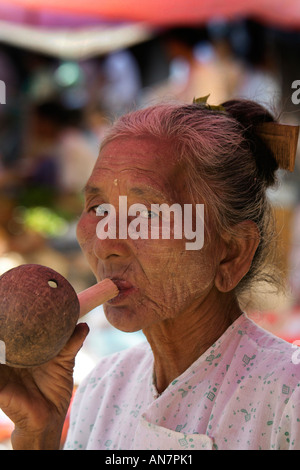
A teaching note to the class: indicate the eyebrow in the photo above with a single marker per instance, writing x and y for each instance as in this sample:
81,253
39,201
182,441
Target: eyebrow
149,193
137,191
88,189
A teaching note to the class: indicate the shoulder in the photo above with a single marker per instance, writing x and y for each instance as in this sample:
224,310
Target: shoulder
265,341
273,355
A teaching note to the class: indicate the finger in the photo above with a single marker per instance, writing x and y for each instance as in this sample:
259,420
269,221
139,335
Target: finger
76,341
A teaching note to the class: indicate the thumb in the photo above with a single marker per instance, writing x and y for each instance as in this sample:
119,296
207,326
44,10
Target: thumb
76,341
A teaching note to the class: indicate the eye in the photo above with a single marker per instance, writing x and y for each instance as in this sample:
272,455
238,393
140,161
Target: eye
147,214
100,210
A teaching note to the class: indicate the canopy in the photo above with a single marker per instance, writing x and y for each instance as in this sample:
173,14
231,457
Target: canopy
95,27
168,12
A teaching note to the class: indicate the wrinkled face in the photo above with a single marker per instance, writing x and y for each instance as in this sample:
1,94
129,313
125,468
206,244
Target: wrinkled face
158,279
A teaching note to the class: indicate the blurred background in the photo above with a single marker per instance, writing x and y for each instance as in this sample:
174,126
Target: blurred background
67,69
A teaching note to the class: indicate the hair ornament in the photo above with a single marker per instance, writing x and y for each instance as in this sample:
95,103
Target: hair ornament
202,101
282,140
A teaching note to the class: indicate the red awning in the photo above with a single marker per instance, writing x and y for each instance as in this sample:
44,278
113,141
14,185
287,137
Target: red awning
84,29
167,12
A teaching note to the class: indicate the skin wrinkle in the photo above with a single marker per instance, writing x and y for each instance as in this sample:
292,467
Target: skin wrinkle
158,306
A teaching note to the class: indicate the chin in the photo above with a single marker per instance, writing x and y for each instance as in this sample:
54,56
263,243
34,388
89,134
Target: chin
123,319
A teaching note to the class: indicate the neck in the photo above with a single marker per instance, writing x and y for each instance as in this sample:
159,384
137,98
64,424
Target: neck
177,343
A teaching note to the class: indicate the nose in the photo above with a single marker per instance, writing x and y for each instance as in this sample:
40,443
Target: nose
109,242
111,249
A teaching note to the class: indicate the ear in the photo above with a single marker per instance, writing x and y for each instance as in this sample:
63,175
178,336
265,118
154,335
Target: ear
237,255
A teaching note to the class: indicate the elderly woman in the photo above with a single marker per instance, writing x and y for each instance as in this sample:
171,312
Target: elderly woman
207,377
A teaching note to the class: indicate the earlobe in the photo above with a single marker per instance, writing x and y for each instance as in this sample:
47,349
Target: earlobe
239,250
222,281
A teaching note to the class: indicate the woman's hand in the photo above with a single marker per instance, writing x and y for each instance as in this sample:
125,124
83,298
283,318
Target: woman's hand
37,399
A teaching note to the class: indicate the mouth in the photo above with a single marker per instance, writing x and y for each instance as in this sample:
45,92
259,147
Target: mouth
125,290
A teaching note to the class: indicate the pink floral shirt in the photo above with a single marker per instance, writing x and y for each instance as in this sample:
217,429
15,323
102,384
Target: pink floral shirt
243,393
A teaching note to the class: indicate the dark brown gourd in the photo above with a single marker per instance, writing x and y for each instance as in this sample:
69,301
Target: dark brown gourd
39,310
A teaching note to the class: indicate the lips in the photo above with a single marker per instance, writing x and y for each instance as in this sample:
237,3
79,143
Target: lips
122,284
125,289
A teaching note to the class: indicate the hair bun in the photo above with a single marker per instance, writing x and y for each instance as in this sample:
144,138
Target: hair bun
250,115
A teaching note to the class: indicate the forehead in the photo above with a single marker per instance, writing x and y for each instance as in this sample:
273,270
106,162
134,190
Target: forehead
137,160
143,152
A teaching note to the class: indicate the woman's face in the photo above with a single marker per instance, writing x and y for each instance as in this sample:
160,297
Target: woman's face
158,279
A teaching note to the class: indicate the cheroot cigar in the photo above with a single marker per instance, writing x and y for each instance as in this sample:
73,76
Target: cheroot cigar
96,295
